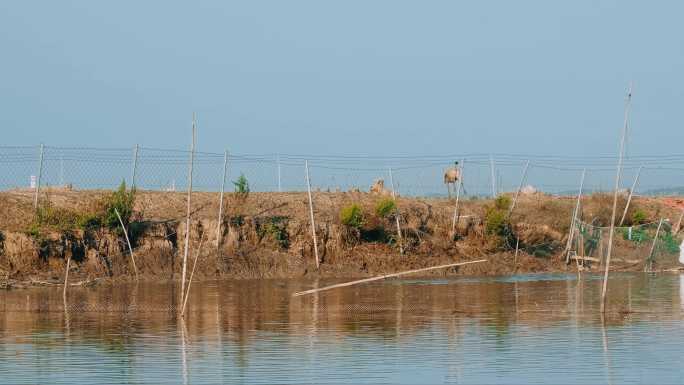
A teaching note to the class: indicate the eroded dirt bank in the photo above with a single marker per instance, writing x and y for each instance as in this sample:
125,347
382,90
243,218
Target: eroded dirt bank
268,235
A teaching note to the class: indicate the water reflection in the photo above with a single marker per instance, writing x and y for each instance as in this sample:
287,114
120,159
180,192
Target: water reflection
519,329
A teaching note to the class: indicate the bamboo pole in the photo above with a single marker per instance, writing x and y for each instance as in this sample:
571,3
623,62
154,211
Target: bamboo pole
459,184
631,193
311,213
649,261
40,175
517,247
312,291
615,198
520,186
192,273
128,242
187,218
575,213
396,214
220,213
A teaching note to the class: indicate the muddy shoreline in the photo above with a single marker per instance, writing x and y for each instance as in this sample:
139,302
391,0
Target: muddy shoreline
268,235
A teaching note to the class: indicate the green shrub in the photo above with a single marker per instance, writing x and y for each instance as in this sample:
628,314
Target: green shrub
352,216
275,228
103,214
121,201
242,186
502,202
385,207
497,224
639,217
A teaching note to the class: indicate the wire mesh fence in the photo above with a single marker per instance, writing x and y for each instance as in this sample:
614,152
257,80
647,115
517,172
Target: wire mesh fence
483,175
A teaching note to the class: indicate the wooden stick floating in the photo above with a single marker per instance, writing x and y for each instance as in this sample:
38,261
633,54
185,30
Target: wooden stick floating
384,277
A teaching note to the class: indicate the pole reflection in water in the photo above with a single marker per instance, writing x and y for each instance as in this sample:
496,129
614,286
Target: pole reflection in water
525,329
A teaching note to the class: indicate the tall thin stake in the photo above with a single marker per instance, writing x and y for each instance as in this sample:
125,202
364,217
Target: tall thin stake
220,213
134,170
396,214
459,185
615,199
40,175
520,186
649,261
311,212
631,193
128,242
491,166
187,218
575,214
192,273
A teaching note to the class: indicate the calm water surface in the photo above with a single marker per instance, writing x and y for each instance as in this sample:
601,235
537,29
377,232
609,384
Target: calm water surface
523,329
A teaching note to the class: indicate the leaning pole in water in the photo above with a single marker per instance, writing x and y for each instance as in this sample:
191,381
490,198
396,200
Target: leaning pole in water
615,198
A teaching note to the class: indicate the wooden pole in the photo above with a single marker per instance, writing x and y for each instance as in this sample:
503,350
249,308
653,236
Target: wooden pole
631,193
459,184
40,175
384,277
491,166
649,261
520,186
517,247
575,214
311,213
220,213
192,273
396,214
187,218
128,242
615,198
134,169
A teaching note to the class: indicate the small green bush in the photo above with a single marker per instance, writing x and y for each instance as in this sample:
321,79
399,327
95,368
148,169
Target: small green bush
352,216
639,217
275,228
242,186
385,207
502,202
121,201
497,224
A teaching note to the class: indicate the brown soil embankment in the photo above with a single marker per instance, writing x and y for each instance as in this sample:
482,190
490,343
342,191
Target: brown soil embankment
268,235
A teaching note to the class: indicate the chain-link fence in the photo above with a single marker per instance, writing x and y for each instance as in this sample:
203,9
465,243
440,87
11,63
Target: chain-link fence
482,174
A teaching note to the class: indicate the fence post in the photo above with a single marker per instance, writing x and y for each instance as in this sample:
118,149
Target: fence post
220,214
40,175
134,170
311,212
649,261
491,166
280,188
573,221
456,217
517,193
631,193
187,218
396,215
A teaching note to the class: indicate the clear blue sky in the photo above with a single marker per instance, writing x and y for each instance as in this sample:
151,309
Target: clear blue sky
344,77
